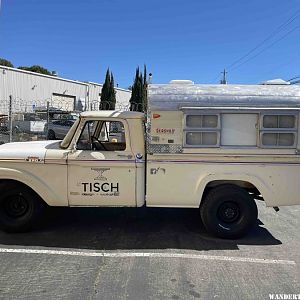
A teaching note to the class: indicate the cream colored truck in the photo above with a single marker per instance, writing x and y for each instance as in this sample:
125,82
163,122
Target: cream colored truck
215,148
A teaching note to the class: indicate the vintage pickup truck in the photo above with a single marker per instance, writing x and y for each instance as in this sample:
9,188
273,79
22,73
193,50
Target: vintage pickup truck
215,148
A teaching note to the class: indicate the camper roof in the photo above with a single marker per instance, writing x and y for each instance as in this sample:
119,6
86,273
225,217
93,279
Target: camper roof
176,96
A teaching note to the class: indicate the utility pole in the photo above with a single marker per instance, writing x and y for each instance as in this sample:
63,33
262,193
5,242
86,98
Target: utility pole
223,80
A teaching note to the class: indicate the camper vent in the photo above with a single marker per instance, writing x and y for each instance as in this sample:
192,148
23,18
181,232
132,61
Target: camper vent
181,82
277,81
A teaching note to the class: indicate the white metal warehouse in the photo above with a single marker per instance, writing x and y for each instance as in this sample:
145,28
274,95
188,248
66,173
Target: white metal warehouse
29,90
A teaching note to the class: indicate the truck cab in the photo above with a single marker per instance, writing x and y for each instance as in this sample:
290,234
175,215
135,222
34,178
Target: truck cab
106,160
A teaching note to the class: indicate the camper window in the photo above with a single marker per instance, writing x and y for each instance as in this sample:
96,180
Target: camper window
278,131
202,130
202,121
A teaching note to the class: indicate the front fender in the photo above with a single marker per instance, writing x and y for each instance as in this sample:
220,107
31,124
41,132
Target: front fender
48,194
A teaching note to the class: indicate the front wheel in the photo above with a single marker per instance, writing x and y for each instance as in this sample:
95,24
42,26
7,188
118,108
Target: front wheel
20,208
228,211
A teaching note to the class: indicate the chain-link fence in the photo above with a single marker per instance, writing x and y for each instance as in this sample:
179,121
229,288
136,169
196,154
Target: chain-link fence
22,120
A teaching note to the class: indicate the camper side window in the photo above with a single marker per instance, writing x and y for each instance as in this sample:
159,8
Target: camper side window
278,131
202,130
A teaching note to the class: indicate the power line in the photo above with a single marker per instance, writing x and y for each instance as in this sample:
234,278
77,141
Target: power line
275,32
295,82
293,78
264,49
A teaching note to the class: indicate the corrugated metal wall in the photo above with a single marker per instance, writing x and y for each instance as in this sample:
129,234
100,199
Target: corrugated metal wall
27,87
122,96
32,89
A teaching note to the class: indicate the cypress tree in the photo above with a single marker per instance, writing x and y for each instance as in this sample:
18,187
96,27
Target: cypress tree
104,103
139,93
134,92
112,93
138,100
145,87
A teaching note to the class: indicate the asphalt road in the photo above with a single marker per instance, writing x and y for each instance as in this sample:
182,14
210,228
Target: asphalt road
149,254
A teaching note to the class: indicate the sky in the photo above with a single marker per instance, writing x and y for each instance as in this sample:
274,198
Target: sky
176,39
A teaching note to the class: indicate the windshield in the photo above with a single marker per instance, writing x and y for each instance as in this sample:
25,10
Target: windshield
66,141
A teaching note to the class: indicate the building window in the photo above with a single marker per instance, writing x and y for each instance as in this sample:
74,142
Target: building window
202,130
278,131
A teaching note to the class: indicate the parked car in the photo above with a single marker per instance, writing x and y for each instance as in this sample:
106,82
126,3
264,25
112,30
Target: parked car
57,129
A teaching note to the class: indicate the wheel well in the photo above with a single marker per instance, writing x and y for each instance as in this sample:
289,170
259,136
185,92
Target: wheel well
246,185
4,182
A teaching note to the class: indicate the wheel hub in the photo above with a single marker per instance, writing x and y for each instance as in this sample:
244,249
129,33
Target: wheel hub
228,212
16,206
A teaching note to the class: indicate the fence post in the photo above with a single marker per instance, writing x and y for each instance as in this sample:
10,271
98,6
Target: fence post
10,119
48,119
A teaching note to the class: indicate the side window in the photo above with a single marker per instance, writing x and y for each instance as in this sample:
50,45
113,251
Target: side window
102,136
85,141
112,136
202,130
240,130
278,131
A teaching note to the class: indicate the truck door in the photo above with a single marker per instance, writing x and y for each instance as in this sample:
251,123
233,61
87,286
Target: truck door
102,169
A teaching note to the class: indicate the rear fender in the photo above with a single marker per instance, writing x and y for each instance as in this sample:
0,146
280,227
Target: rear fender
258,182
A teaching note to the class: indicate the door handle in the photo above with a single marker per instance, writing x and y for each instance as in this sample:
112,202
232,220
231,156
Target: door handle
129,156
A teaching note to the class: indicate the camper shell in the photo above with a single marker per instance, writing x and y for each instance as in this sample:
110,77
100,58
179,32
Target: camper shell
206,135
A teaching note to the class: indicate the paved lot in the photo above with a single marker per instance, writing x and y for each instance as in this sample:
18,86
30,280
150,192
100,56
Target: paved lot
149,254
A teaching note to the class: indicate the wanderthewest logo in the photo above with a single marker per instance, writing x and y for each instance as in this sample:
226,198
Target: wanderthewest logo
284,296
100,172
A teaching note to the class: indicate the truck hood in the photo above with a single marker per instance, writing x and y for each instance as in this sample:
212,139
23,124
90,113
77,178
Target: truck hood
24,150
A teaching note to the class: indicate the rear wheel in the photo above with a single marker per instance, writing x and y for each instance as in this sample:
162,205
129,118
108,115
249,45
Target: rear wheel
20,208
228,211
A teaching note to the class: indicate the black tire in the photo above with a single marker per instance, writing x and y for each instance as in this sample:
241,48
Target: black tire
228,211
20,208
51,135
